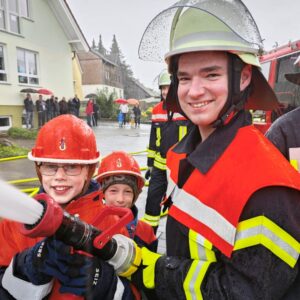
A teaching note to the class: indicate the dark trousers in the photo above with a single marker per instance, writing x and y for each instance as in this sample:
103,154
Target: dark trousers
156,191
50,115
41,118
95,119
137,121
124,118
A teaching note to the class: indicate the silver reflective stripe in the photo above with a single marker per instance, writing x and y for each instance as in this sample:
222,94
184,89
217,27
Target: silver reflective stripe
24,290
171,184
119,290
177,116
193,280
204,214
200,248
262,230
163,117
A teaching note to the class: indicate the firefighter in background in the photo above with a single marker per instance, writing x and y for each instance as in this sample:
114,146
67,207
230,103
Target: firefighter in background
233,227
65,156
284,133
166,130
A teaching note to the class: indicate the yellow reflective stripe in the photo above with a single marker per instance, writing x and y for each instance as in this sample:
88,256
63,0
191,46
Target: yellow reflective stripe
151,220
160,159
182,132
294,163
149,260
160,162
261,230
193,280
200,248
158,136
151,153
135,264
159,166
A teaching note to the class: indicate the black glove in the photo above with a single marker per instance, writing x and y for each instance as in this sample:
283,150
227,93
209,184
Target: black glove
148,173
90,277
43,261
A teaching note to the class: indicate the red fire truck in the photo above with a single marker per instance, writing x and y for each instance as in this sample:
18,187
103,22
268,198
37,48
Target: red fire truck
275,64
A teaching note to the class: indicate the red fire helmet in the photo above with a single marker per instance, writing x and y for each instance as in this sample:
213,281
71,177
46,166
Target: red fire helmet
120,163
65,139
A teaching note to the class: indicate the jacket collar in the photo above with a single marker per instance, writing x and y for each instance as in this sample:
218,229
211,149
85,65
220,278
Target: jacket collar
202,156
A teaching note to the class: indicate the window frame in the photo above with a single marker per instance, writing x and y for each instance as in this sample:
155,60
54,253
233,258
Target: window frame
5,64
9,122
8,15
27,74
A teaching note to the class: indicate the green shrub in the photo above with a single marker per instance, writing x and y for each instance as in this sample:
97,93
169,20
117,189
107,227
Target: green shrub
6,151
22,133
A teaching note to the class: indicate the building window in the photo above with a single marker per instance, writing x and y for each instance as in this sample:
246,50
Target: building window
27,67
2,15
13,16
3,74
10,12
24,8
5,122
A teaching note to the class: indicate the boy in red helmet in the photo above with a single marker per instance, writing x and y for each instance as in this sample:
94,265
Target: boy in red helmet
121,182
65,156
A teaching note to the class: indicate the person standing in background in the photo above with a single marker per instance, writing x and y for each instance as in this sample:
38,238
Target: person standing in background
50,108
41,110
76,103
63,106
137,115
56,107
124,109
166,130
28,104
284,133
96,109
89,110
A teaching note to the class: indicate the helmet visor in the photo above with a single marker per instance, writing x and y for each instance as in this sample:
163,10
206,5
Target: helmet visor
233,13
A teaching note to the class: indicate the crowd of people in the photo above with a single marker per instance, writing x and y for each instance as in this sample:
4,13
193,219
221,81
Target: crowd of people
47,109
233,222
134,114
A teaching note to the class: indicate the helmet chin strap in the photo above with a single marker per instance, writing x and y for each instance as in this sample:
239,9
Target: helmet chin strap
236,99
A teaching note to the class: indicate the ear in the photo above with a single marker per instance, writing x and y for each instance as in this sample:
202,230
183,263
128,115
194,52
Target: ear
246,76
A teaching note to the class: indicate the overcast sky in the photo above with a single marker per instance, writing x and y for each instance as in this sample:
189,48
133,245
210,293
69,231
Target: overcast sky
278,21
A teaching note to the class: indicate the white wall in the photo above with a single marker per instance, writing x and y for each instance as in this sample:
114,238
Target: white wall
45,36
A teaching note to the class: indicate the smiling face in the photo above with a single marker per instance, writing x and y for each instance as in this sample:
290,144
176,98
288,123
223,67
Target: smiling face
120,195
203,87
62,187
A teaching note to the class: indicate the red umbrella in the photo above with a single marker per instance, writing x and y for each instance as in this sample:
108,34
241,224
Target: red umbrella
44,92
121,101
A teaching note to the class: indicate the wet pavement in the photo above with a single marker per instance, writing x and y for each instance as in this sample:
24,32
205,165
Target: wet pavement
109,137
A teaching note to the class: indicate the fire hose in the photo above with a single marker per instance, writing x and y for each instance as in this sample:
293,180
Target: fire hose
118,250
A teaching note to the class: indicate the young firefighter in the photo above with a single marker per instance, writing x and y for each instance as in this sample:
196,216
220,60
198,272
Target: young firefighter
284,132
233,227
166,130
121,183
65,156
